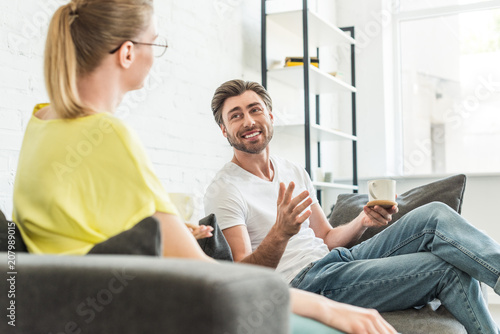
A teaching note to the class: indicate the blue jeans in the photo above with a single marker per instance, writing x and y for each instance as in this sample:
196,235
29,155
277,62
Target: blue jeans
431,252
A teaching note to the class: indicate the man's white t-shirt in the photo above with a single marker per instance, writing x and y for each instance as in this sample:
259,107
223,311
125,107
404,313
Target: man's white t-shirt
238,197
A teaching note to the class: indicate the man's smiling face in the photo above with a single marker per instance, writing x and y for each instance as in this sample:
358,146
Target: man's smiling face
248,124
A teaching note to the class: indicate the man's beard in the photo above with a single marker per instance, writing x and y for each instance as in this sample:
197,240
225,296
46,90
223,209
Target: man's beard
249,147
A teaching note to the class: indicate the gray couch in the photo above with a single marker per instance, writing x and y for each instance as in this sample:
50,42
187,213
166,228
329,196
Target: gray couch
138,294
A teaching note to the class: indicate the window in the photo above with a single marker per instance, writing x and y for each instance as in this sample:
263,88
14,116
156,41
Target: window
407,5
450,91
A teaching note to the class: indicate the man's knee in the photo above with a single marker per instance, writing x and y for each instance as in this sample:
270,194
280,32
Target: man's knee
432,215
438,210
437,207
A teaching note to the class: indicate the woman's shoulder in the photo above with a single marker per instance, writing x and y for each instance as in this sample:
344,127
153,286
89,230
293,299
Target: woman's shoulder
43,111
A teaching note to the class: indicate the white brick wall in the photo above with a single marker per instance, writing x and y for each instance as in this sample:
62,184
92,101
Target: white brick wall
210,42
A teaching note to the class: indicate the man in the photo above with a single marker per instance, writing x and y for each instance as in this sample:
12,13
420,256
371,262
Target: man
430,253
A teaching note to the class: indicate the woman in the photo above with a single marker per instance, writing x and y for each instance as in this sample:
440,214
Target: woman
83,176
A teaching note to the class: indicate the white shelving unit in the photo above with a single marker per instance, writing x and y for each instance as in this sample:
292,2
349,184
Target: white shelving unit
315,33
321,32
320,82
333,185
318,132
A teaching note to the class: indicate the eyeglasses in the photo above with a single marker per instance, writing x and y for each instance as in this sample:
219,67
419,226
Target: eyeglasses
160,42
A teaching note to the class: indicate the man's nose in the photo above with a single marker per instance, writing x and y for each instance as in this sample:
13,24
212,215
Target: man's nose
248,120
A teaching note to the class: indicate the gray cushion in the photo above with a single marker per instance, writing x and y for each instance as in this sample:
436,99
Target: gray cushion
449,191
142,239
216,246
145,239
425,320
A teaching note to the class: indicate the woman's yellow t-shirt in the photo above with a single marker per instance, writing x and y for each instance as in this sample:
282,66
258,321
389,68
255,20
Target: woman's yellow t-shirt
80,182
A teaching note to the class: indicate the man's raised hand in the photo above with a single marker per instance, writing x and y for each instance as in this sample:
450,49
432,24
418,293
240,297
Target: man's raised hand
292,211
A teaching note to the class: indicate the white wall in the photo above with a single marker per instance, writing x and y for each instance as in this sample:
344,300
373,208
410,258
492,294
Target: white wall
374,70
210,42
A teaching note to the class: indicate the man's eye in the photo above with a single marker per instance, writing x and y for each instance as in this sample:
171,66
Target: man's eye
234,116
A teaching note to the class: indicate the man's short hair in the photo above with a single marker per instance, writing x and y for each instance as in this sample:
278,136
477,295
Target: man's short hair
235,88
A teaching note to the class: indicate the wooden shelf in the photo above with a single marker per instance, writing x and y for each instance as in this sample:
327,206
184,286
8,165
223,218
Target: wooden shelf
319,82
321,32
333,185
318,132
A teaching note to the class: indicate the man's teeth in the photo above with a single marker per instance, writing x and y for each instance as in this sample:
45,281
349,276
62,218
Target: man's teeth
252,135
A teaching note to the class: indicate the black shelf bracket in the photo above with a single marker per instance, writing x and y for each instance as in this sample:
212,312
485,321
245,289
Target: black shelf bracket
353,104
306,61
263,44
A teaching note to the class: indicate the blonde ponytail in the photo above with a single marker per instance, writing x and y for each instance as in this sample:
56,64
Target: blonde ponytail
61,67
80,34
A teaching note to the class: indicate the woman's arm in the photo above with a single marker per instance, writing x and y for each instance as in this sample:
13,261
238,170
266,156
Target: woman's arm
177,240
344,317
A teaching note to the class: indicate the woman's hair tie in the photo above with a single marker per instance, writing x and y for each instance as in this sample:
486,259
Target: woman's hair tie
73,9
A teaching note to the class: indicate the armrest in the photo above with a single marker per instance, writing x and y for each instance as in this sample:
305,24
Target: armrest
136,294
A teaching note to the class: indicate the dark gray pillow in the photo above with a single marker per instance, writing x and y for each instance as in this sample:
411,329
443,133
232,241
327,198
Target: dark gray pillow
145,239
19,245
142,239
216,246
449,191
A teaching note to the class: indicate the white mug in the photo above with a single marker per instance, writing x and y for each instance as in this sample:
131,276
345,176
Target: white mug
382,192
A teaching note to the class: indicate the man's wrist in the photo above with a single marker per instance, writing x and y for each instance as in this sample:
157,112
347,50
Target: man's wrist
357,225
278,235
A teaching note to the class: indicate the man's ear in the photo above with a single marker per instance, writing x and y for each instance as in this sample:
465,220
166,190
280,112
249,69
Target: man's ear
223,129
271,116
126,54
